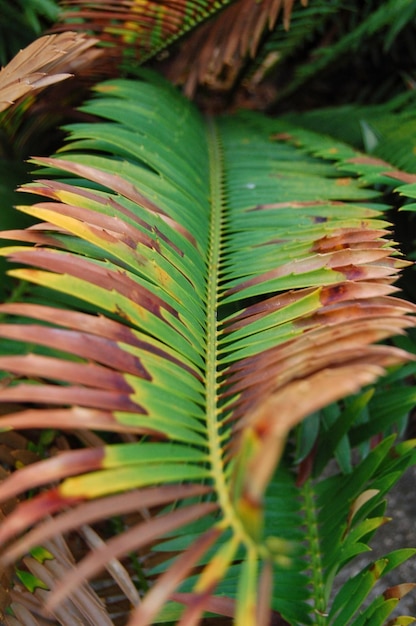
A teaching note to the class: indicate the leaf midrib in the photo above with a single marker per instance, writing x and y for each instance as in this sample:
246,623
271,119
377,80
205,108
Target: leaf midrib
213,409
213,269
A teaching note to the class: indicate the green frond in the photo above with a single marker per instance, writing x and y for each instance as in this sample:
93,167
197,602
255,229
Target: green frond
384,130
221,284
390,17
356,498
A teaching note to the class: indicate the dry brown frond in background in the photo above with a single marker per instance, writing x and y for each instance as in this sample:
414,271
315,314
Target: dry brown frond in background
47,60
215,53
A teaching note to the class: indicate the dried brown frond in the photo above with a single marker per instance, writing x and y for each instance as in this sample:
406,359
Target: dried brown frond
46,61
215,54
107,600
85,606
14,452
143,28
6,573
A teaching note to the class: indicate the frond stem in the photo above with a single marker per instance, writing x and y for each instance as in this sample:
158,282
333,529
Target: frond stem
214,258
314,551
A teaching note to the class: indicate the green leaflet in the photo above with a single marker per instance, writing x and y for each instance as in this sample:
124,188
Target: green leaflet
96,484
357,588
390,16
331,546
30,581
240,284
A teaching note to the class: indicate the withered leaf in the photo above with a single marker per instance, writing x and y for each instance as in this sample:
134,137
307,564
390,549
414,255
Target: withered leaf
47,60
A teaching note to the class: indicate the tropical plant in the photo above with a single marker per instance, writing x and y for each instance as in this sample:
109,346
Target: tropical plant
207,298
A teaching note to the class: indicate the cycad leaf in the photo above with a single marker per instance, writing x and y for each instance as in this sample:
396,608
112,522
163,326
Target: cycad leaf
240,283
357,499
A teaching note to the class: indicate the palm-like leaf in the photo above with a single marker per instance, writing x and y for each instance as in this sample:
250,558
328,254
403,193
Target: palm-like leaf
241,284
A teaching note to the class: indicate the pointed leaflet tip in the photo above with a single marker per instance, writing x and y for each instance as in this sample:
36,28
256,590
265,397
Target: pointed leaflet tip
272,420
70,419
97,339
398,591
88,374
82,344
60,466
100,399
85,513
31,511
102,276
359,502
